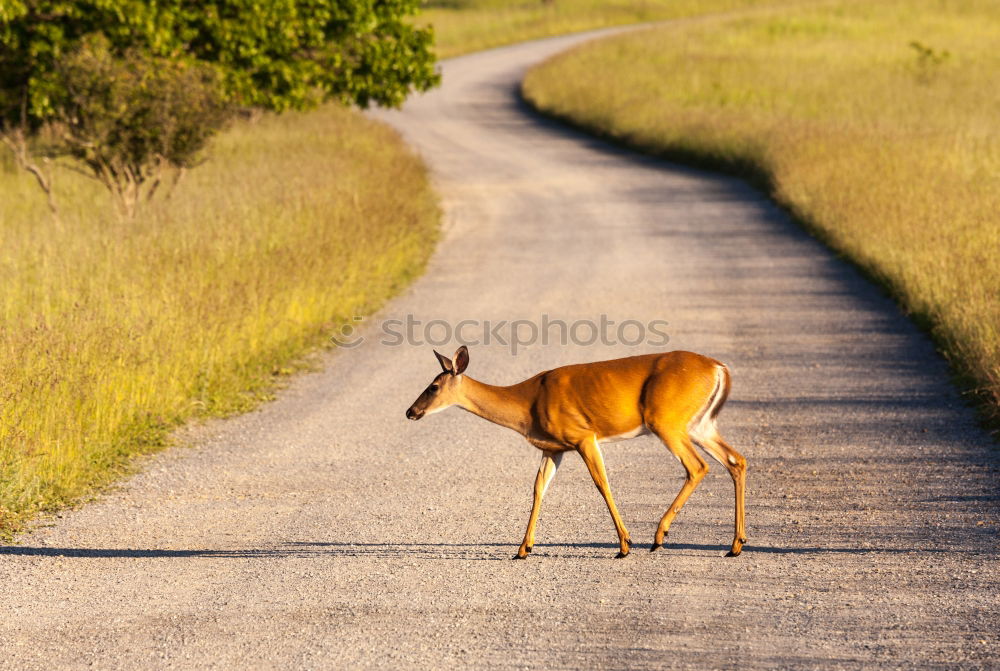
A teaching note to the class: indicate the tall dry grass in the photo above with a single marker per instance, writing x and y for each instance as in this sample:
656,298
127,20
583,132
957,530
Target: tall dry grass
461,26
877,124
112,332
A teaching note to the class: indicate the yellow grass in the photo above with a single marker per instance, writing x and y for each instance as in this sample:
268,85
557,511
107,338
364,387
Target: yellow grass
111,333
461,26
890,152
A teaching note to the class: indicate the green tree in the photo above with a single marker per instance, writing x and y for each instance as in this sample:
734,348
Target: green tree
275,54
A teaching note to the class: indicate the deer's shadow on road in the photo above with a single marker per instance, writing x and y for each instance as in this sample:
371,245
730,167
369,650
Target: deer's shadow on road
437,551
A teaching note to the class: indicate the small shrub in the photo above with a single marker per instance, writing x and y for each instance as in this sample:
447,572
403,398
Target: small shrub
130,119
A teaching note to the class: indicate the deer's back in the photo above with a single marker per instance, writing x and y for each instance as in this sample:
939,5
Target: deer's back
610,398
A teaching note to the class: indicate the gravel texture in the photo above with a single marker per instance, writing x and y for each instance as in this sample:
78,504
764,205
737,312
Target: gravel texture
327,531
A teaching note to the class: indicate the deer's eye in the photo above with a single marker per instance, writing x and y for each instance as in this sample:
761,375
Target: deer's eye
433,387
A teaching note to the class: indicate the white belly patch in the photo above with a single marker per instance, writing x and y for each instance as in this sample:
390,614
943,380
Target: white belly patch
640,430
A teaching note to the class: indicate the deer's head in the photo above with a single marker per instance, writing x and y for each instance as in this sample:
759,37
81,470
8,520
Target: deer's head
442,392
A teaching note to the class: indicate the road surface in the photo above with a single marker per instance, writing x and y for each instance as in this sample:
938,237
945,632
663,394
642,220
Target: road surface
326,531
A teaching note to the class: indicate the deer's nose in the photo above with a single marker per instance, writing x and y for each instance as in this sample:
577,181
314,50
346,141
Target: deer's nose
410,414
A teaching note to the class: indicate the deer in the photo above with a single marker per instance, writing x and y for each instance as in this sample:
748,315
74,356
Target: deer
675,395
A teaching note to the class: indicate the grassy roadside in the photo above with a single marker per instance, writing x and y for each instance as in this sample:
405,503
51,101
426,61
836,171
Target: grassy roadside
461,26
112,333
876,124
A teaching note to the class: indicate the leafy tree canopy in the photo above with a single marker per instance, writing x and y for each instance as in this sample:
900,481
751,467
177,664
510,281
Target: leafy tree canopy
276,54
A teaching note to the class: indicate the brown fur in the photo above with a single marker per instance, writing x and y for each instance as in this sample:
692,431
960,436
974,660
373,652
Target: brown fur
675,395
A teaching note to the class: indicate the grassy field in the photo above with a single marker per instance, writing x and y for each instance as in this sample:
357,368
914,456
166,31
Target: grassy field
876,124
461,26
111,333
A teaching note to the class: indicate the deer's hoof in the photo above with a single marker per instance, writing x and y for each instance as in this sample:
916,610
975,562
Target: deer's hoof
655,546
621,555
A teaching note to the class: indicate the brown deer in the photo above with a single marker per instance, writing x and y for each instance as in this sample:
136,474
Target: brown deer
675,395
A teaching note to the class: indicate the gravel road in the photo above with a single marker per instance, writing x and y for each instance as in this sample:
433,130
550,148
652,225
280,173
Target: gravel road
327,531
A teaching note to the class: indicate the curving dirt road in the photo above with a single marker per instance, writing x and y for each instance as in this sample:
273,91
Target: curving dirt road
326,531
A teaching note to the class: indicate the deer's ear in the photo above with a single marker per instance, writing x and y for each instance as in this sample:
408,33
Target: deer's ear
445,362
461,360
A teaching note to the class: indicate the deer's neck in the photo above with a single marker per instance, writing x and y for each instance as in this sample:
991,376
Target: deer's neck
506,406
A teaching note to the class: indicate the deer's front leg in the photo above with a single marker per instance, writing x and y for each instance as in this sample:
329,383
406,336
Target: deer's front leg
591,453
546,471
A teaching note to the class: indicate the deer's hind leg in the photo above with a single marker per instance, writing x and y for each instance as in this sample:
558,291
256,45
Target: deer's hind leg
680,445
710,440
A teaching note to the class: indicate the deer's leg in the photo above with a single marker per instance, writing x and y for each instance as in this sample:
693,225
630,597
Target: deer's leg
591,453
680,445
734,462
546,471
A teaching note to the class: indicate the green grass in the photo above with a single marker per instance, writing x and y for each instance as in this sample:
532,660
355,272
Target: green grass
890,153
111,333
461,26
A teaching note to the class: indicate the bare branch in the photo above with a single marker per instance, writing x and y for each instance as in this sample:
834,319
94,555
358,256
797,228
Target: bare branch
16,140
